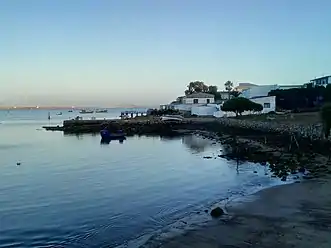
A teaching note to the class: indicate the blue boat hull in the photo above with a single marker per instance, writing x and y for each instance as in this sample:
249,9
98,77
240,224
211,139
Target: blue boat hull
106,135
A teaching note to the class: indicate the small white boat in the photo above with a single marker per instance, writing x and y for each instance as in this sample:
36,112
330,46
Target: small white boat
101,111
172,118
85,111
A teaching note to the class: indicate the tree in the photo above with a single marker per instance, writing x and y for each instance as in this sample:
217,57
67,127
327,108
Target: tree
256,107
326,119
199,86
212,89
228,86
240,104
235,93
301,98
196,87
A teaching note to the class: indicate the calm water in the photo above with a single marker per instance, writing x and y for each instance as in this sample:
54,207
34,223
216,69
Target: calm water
70,191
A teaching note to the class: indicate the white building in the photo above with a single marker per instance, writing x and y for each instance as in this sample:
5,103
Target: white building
192,101
258,91
199,98
321,81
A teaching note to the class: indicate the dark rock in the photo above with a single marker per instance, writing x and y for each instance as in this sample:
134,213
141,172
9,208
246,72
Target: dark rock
302,170
217,212
207,157
255,171
284,178
206,211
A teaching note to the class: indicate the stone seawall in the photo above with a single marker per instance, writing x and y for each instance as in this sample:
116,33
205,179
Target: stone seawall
307,137
130,127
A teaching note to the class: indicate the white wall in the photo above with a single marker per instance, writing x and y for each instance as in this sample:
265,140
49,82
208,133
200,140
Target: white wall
257,91
183,107
207,110
200,100
270,100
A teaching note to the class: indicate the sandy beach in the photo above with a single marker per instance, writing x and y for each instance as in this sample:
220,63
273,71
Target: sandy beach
293,215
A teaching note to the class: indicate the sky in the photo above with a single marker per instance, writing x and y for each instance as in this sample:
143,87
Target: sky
145,52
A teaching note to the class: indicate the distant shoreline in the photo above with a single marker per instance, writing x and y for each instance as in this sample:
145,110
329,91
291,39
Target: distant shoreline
64,108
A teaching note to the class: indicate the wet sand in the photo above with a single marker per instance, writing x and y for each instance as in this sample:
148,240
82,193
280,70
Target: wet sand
293,215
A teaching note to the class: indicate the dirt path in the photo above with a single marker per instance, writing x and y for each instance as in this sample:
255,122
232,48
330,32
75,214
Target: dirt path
294,215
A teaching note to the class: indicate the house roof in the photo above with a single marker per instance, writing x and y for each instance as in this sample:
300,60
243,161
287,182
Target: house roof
320,78
246,84
200,95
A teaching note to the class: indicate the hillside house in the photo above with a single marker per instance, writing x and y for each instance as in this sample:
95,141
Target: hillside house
199,98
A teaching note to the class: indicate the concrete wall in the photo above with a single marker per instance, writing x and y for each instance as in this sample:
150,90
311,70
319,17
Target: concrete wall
183,107
257,91
200,100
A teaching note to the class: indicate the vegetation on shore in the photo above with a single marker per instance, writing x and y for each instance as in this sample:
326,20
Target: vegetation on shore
302,99
199,86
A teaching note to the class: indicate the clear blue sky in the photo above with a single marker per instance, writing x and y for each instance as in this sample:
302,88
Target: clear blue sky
145,52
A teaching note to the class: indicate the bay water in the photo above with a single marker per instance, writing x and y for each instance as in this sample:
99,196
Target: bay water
61,190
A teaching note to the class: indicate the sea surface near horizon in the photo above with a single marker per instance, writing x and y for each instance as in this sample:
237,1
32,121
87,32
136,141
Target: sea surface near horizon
61,190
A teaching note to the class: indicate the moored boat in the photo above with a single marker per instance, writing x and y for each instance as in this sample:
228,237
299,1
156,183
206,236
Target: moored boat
172,118
106,135
84,111
101,111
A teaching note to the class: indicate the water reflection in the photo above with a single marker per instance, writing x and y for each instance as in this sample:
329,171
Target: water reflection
195,143
79,136
107,142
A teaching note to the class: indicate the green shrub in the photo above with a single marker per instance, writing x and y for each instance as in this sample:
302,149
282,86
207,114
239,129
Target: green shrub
240,104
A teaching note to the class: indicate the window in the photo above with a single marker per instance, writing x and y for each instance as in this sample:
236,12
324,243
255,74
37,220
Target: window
208,101
195,101
266,105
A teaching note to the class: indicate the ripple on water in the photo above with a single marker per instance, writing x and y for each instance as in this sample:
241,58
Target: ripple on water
76,193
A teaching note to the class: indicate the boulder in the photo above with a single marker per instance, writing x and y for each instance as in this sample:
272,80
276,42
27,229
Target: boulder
216,212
